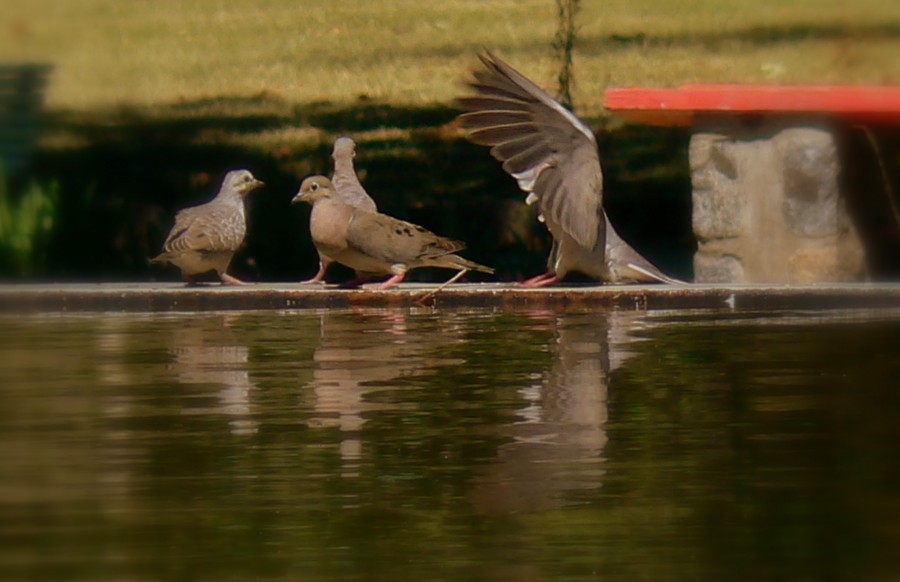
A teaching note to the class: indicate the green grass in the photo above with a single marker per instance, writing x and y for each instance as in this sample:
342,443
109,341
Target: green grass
27,220
151,101
109,53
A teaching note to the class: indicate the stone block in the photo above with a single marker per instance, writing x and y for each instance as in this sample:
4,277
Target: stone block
813,206
719,207
715,268
767,205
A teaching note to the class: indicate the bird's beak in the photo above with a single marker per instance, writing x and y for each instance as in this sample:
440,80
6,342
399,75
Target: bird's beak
300,197
258,183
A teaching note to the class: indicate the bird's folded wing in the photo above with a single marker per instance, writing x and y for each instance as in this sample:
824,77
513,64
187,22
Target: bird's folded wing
396,241
205,228
541,144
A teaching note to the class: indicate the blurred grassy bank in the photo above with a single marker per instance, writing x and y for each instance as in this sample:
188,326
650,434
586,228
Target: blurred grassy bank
412,52
151,102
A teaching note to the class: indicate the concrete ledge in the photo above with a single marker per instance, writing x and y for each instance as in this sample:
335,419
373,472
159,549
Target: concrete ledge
153,297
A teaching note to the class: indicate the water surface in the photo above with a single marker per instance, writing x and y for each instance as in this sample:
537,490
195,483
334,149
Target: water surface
470,445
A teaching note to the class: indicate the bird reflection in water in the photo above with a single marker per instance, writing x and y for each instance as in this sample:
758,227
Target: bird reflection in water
207,353
556,447
366,351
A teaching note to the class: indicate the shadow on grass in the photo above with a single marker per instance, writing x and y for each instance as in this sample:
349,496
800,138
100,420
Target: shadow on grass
755,35
122,176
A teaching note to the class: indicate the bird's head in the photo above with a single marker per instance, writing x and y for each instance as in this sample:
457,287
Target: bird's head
241,181
344,147
312,189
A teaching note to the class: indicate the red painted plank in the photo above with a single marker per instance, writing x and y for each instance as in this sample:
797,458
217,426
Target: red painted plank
880,105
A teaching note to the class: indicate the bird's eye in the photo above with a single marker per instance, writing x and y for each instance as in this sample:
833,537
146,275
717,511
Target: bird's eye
314,187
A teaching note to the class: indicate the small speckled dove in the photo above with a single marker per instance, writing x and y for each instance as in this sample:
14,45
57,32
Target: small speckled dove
347,187
205,237
554,158
371,242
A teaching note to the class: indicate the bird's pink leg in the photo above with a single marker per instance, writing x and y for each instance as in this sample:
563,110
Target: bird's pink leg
229,280
542,280
392,282
319,279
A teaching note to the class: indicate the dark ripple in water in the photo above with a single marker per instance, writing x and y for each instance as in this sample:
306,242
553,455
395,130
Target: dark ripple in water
390,444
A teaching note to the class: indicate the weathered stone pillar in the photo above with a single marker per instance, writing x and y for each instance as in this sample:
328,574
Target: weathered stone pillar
767,205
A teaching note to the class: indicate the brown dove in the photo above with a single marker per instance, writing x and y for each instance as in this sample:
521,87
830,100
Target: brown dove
375,243
345,181
206,237
554,158
347,187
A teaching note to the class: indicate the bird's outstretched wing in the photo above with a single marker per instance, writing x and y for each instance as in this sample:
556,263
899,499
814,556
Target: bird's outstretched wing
549,151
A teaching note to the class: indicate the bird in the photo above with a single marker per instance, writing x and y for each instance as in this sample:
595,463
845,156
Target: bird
344,179
372,242
622,264
205,237
626,265
348,188
555,159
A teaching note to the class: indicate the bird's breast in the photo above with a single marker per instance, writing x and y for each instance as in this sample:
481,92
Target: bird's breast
328,225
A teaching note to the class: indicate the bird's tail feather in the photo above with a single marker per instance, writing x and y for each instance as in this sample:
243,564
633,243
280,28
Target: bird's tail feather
159,259
656,275
457,262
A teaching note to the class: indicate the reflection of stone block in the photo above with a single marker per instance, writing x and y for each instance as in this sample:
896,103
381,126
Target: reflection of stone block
767,205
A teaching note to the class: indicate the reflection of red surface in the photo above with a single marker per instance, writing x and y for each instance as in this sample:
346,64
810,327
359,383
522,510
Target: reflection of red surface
679,106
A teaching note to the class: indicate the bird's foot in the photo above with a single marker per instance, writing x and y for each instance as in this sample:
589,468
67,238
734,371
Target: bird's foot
392,282
229,280
319,277
542,280
314,281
